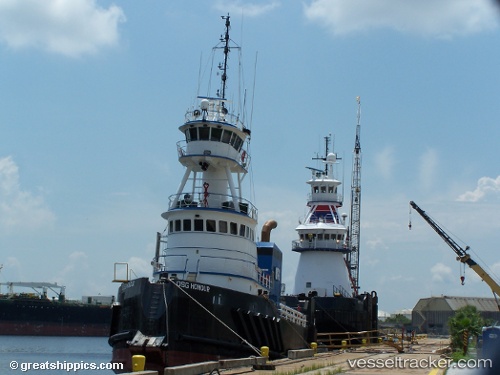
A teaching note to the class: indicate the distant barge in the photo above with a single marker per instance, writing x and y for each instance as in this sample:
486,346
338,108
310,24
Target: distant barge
34,314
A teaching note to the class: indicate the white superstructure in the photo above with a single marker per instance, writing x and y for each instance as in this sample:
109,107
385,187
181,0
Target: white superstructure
211,226
323,237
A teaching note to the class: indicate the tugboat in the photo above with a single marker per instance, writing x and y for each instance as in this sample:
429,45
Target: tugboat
215,292
327,272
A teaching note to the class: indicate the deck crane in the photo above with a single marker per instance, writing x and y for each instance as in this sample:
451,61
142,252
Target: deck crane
462,254
354,227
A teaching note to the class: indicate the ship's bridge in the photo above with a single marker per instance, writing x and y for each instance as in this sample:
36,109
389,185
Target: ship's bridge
213,137
321,237
324,190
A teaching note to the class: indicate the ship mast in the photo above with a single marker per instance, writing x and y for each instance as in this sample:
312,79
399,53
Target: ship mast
327,142
354,227
225,39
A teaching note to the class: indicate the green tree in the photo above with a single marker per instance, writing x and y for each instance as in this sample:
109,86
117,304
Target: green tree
465,323
398,319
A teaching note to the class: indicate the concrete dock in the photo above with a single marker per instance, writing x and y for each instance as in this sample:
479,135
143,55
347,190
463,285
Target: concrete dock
422,358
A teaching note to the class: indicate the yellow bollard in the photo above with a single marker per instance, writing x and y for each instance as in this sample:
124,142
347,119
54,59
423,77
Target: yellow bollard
363,343
138,363
314,347
264,351
380,340
344,344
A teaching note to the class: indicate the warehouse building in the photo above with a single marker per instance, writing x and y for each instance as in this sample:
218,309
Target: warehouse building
430,315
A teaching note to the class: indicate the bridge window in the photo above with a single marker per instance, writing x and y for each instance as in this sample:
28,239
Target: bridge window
226,136
330,189
238,142
216,134
233,227
193,134
242,230
186,225
177,225
204,133
222,226
210,225
198,225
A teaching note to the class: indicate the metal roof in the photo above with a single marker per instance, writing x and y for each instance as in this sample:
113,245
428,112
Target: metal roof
451,303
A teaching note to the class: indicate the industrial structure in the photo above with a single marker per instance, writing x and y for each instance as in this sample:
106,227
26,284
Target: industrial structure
355,223
431,315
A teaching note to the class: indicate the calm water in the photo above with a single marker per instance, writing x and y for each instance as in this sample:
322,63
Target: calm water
27,350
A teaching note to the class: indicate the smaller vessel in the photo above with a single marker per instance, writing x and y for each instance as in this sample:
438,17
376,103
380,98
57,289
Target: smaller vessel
33,313
323,272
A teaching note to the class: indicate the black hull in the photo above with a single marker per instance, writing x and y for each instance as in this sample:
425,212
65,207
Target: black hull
185,332
342,314
39,317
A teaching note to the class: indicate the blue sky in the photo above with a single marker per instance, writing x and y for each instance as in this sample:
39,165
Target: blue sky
92,94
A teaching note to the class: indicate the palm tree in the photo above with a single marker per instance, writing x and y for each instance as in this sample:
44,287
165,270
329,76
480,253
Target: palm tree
465,323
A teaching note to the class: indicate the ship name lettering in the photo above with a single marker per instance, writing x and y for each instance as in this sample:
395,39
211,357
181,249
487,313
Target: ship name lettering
183,284
201,287
129,284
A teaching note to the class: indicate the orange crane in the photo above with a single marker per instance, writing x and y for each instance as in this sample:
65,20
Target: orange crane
462,254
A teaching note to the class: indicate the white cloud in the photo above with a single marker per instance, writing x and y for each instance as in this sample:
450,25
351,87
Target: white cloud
68,27
441,272
443,18
485,186
245,8
428,165
77,262
384,162
19,209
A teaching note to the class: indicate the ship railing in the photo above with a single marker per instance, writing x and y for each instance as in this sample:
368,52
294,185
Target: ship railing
292,315
216,111
325,197
346,340
265,279
340,290
326,245
328,219
201,199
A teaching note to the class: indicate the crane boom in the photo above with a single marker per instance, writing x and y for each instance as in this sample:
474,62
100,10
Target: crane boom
462,254
353,256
